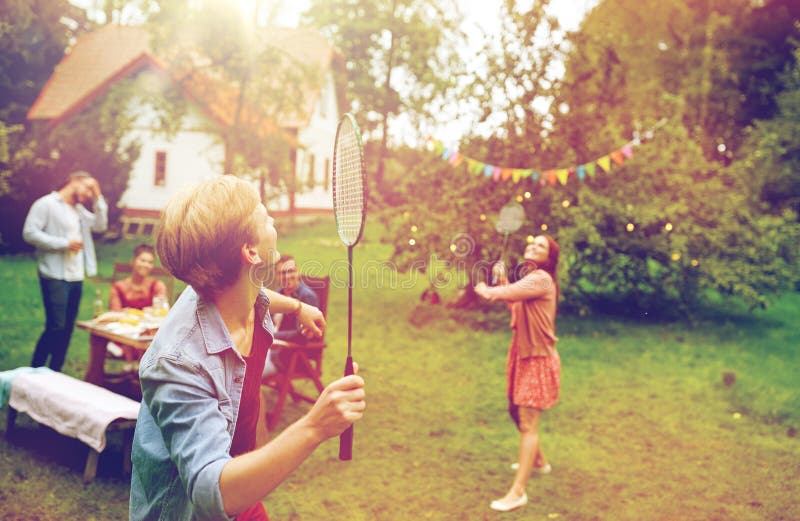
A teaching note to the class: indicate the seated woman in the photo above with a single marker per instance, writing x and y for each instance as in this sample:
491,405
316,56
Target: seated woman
134,292
138,290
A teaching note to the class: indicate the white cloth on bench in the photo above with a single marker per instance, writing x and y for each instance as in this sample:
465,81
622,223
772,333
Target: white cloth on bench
70,406
6,377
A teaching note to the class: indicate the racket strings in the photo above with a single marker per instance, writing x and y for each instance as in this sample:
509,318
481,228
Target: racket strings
348,194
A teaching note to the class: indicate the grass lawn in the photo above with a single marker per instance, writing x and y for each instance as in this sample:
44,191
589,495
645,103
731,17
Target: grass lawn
645,428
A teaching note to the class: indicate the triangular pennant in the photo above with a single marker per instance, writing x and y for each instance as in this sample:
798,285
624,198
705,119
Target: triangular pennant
590,169
456,159
627,151
617,157
470,164
505,174
516,174
496,171
562,175
580,172
487,170
438,147
535,176
475,167
525,173
605,163
552,177
446,154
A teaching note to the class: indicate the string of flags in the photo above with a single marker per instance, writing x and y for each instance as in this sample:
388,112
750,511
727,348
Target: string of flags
543,176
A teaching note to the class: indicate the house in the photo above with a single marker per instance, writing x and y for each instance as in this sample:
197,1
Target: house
99,60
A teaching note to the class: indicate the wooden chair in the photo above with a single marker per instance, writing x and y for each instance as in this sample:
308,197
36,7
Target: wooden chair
304,362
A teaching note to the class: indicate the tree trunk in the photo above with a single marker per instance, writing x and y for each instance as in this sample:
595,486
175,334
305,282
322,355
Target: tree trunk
385,112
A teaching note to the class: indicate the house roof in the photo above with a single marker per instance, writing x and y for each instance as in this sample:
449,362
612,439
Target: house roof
102,57
95,61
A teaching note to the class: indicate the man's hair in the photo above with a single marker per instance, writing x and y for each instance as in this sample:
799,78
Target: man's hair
142,248
283,259
78,174
202,230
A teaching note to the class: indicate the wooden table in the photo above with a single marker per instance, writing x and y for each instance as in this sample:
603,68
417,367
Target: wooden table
99,336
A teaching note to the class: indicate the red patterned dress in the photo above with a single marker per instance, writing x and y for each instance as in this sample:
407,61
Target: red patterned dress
533,367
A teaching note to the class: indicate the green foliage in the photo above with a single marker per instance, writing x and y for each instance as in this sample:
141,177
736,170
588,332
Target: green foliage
252,80
450,216
771,157
694,228
400,59
33,38
627,68
32,41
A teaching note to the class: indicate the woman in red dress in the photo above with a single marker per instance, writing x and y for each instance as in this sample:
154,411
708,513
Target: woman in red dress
138,290
533,368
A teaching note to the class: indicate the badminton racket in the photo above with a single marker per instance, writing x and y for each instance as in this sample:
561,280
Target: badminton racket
350,209
509,220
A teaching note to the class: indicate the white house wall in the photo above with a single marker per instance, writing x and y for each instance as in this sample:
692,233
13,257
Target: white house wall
317,139
192,155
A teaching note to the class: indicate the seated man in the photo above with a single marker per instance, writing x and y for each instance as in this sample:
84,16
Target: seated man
286,324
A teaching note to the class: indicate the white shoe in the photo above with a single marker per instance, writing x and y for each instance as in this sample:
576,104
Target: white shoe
500,506
545,469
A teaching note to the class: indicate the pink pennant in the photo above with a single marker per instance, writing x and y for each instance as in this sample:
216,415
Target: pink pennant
627,151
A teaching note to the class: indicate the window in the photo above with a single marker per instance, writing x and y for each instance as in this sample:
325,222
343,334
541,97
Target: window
161,168
327,183
311,166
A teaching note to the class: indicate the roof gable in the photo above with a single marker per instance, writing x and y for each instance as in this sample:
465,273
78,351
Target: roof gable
99,59
95,61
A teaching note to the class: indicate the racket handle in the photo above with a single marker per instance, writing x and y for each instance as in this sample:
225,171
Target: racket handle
346,438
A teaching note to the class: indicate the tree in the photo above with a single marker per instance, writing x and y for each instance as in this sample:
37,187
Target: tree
229,58
455,211
660,233
33,36
771,156
625,71
399,58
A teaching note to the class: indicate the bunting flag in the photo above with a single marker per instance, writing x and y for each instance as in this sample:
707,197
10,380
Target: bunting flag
549,176
605,163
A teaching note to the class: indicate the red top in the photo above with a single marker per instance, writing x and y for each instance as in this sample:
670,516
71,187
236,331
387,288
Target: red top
244,437
125,295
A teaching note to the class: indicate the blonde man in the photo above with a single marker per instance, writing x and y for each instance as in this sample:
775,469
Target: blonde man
194,454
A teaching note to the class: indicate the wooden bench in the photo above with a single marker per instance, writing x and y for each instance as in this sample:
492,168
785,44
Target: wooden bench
76,409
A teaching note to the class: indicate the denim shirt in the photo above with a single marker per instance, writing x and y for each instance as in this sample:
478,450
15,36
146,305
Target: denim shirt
46,228
192,378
